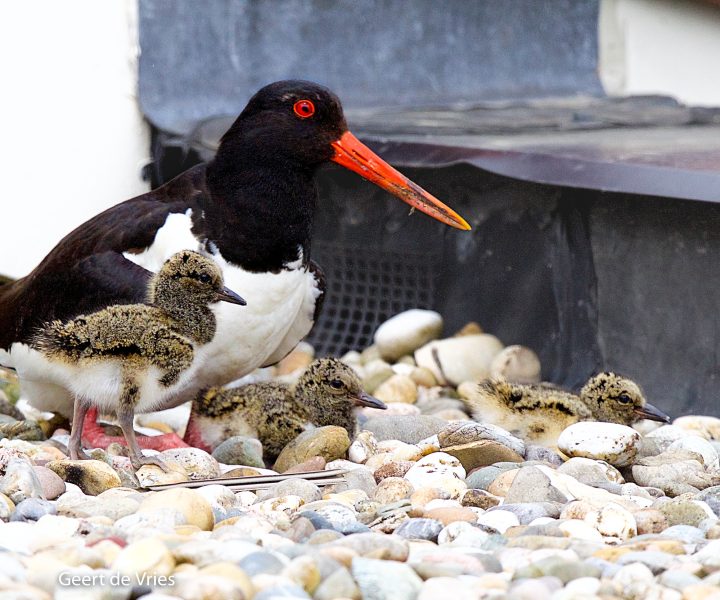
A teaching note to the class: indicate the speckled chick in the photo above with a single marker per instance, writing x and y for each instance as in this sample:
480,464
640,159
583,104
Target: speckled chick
125,358
275,413
538,413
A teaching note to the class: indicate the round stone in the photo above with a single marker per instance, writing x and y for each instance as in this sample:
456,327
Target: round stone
613,443
92,476
407,331
196,509
330,442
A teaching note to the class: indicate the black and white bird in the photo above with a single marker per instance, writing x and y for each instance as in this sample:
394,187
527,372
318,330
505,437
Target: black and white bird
251,209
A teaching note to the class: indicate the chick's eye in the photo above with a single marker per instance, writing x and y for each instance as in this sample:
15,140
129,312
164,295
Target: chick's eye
304,109
336,383
205,278
624,399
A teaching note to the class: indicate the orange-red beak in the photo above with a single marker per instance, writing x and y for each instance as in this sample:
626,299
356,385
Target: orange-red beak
352,154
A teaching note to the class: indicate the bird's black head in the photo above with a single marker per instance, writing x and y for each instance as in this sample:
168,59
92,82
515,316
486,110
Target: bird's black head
290,120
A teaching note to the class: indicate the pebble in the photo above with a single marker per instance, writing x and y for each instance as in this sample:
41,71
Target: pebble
397,388
374,373
516,364
52,484
392,489
330,442
405,332
529,484
382,579
190,503
31,509
610,442
420,529
196,463
466,358
21,482
438,469
240,450
91,476
408,429
612,520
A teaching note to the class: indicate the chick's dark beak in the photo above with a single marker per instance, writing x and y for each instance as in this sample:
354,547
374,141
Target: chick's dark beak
653,414
227,295
367,400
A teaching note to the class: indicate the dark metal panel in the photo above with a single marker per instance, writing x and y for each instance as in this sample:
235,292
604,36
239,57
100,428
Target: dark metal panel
202,59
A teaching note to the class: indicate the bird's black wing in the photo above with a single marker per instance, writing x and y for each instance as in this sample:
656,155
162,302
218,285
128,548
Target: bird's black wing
87,270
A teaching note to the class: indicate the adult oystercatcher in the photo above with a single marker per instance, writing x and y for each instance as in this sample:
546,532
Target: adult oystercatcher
250,208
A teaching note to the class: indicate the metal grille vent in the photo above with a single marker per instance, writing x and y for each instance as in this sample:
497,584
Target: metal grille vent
364,288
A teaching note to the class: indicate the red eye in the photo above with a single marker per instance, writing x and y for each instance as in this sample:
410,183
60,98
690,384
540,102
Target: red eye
304,109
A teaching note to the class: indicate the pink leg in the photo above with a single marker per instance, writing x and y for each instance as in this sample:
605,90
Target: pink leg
94,437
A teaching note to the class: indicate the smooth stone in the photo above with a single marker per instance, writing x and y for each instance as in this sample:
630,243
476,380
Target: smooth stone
613,443
529,511
699,446
357,479
284,590
483,477
466,358
516,364
374,373
657,562
397,388
330,442
465,432
447,515
685,533
500,520
363,447
303,488
405,332
420,529
149,556
685,512
612,520
196,509
438,469
390,547
650,520
477,498
149,475
704,426
339,584
392,489
340,516
590,471
261,562
482,453
240,450
674,472
197,463
31,509
711,496
678,579
52,484
408,429
382,579
7,507
541,453
315,463
20,482
463,534
580,530
395,468
219,497
532,485
92,476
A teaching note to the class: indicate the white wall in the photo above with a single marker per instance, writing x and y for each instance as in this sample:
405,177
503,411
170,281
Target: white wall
669,47
72,138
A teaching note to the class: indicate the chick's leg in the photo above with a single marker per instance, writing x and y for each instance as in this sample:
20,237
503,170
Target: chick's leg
125,415
75,447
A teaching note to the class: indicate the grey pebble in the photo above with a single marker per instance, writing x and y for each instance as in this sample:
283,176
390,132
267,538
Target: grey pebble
31,509
420,529
20,482
261,562
384,579
240,450
408,429
307,490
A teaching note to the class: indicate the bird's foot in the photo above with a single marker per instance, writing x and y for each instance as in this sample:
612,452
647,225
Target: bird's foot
138,460
95,437
77,453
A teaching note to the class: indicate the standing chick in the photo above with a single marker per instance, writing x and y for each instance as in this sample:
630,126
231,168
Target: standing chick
539,413
275,413
126,358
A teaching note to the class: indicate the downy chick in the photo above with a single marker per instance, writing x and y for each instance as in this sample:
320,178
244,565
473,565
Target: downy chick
275,413
538,413
124,358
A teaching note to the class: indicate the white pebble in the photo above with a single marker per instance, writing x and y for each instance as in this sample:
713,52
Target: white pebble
613,443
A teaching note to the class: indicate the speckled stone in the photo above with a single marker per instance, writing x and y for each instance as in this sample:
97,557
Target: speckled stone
330,442
91,476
